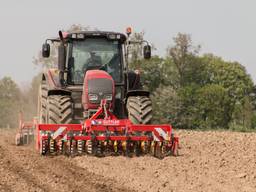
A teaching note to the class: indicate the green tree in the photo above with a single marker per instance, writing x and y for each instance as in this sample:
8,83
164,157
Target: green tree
30,98
243,115
212,104
166,105
152,73
183,53
188,111
10,100
212,93
233,77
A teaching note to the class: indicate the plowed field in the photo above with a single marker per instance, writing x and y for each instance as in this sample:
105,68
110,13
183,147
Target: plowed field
208,161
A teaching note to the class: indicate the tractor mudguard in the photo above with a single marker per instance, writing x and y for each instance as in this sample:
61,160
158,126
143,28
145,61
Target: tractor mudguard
58,92
51,78
134,80
137,93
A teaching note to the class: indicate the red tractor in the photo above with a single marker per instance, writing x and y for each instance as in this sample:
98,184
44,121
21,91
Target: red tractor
91,103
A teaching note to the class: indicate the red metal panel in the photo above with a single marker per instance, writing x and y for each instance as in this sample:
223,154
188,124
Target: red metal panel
54,127
106,128
119,127
166,128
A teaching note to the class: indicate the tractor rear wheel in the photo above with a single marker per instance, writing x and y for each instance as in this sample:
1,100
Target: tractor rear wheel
139,109
59,108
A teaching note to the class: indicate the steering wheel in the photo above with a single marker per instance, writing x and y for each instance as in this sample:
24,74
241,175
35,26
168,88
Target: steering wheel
103,67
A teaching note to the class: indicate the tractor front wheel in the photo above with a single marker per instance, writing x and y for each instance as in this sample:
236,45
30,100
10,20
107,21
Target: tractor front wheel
139,109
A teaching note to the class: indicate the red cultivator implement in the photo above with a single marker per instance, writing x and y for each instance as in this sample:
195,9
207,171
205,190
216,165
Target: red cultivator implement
104,134
25,134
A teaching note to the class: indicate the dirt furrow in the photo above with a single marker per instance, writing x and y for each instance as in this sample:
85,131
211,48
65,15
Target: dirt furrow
36,173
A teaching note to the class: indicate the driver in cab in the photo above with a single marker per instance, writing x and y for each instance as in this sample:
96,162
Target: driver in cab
95,62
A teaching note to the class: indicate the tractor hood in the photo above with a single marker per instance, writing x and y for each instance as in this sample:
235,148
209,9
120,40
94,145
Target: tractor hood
98,85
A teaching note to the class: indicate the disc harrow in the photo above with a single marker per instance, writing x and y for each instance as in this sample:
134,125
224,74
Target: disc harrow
25,133
103,134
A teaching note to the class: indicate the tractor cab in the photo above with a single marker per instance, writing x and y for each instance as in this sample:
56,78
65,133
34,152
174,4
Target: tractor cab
84,51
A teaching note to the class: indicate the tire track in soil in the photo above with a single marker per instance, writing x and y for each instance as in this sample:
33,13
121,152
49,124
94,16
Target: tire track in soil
25,170
5,188
20,174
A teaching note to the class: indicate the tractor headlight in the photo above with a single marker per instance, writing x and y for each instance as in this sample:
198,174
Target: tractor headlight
80,36
93,97
112,36
108,97
73,36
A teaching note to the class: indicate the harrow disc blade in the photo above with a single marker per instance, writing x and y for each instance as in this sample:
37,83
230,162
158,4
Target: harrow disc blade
43,149
159,150
100,149
72,148
89,147
80,147
52,146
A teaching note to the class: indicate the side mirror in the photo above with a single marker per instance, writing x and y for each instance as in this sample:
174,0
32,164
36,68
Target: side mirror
46,50
147,51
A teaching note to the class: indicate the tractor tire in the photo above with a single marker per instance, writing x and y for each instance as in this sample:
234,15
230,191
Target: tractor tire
139,109
42,101
59,109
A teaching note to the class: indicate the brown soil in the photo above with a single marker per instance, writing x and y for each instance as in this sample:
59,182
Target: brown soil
208,161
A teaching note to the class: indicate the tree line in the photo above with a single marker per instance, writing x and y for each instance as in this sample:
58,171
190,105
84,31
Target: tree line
193,91
15,100
189,90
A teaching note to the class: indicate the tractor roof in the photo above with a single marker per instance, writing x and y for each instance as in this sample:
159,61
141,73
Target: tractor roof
87,34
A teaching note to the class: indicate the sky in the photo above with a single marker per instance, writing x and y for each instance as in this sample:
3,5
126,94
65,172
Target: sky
226,28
